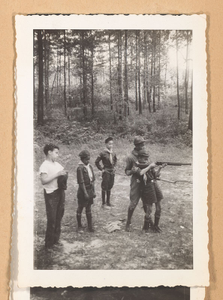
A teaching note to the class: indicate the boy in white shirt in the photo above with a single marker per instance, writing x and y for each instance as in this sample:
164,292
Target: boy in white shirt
54,196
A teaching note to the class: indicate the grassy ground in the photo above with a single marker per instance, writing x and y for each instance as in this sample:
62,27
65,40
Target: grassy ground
159,293
171,249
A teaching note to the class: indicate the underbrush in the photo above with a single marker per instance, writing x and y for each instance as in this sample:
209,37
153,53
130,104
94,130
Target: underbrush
159,127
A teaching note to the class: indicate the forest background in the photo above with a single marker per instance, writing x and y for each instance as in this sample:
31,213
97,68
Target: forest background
91,83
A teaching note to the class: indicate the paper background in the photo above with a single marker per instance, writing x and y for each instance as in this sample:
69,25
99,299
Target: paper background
214,11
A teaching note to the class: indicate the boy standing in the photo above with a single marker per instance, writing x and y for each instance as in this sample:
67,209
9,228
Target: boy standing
86,192
150,191
133,171
50,171
109,161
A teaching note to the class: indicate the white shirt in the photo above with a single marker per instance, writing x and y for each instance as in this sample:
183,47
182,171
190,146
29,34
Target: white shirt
50,168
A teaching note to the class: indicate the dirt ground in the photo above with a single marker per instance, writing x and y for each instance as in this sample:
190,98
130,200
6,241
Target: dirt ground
119,250
160,293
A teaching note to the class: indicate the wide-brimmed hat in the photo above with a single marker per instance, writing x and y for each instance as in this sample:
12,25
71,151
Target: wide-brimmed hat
138,140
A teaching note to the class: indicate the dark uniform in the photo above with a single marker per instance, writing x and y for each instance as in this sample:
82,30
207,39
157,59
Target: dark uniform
108,169
150,193
109,161
86,187
133,171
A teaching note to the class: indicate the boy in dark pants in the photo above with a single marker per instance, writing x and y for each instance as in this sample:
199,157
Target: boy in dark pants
150,191
109,160
86,192
50,171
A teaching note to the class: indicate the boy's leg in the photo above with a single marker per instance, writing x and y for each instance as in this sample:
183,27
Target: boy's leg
108,197
134,200
103,197
89,218
59,216
147,219
79,212
51,201
157,217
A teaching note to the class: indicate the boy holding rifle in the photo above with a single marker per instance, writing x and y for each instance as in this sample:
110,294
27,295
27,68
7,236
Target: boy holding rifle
150,191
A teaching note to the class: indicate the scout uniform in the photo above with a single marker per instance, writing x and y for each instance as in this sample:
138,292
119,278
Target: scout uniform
109,160
85,179
133,171
150,193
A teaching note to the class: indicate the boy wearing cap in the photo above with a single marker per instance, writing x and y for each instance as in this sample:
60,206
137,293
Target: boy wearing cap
150,191
86,192
133,171
109,160
50,171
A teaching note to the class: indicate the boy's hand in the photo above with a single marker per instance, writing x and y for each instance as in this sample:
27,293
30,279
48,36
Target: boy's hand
134,169
86,196
153,165
63,172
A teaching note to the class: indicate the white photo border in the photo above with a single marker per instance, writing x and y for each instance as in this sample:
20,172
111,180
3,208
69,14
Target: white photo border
199,276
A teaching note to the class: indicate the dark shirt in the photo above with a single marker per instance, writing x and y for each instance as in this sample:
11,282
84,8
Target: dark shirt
104,156
62,182
82,175
131,162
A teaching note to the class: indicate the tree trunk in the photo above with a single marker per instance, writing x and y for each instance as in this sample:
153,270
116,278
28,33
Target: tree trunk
65,96
136,70
186,79
69,91
119,76
83,74
126,104
45,67
57,71
139,83
154,71
92,79
145,88
110,71
159,70
40,111
178,93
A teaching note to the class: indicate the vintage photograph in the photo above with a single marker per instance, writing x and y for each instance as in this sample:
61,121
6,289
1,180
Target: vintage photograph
113,149
113,115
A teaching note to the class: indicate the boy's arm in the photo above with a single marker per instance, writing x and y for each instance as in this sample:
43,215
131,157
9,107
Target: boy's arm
115,160
80,180
130,168
97,162
46,179
143,171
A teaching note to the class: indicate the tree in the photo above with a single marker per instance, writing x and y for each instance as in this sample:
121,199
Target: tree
139,66
65,95
40,111
126,104
178,93
120,75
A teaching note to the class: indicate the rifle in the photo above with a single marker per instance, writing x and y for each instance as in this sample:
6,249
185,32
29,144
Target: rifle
160,163
145,168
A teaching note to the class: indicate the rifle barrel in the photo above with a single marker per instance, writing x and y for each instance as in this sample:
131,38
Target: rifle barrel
172,163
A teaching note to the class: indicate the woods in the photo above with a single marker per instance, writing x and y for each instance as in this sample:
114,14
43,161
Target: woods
126,75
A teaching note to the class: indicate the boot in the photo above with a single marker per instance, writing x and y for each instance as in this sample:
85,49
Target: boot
148,223
156,223
103,197
79,225
89,221
108,198
128,223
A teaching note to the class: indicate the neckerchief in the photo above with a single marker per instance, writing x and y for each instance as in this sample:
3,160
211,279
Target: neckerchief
110,155
90,174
